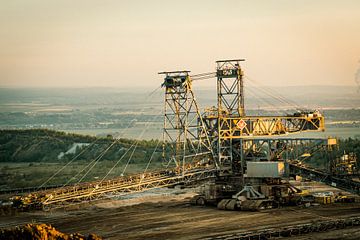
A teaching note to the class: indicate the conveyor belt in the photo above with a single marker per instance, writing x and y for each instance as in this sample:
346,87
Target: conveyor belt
343,183
122,185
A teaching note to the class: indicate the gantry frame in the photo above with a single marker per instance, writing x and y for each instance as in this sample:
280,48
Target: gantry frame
230,103
228,125
184,134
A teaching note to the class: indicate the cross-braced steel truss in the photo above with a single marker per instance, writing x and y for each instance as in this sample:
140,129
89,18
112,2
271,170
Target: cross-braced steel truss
184,136
230,101
230,88
228,126
79,193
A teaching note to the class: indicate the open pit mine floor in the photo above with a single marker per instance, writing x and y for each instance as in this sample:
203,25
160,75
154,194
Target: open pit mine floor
170,216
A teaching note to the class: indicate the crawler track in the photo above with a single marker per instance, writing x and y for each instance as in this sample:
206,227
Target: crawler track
293,230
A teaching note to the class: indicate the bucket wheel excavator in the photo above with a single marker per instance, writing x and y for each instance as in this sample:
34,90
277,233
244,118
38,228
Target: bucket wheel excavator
250,153
244,160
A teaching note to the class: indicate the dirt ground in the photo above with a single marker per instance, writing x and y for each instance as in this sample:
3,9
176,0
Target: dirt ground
169,216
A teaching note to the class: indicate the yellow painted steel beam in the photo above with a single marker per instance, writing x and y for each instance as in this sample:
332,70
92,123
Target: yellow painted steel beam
124,185
242,127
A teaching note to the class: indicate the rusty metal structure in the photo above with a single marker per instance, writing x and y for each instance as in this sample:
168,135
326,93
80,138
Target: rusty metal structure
228,125
238,140
243,159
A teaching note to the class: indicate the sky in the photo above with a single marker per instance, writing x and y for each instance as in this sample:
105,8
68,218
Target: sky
120,43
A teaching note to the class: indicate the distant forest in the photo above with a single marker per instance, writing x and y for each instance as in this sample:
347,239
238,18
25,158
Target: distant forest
42,145
346,146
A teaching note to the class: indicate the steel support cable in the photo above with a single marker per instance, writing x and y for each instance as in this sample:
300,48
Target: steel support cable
122,156
92,160
51,177
108,150
133,145
282,101
151,157
279,96
148,163
271,95
112,168
117,139
100,156
202,74
257,96
67,164
203,78
260,98
154,91
88,147
137,141
72,160
130,157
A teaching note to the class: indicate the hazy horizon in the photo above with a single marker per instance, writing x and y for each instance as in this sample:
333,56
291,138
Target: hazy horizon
159,84
124,44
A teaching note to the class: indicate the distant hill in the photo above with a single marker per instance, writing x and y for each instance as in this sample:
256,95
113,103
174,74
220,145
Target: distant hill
42,145
103,111
85,98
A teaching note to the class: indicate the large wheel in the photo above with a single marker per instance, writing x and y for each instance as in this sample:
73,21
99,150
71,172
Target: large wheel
227,204
200,201
231,205
222,204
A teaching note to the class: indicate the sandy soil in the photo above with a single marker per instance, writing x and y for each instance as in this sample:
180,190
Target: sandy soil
168,215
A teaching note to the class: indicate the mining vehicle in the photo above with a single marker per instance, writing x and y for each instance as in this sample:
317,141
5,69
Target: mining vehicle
247,151
245,161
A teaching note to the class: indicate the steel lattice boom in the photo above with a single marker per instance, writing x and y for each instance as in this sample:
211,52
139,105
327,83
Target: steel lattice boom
118,186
